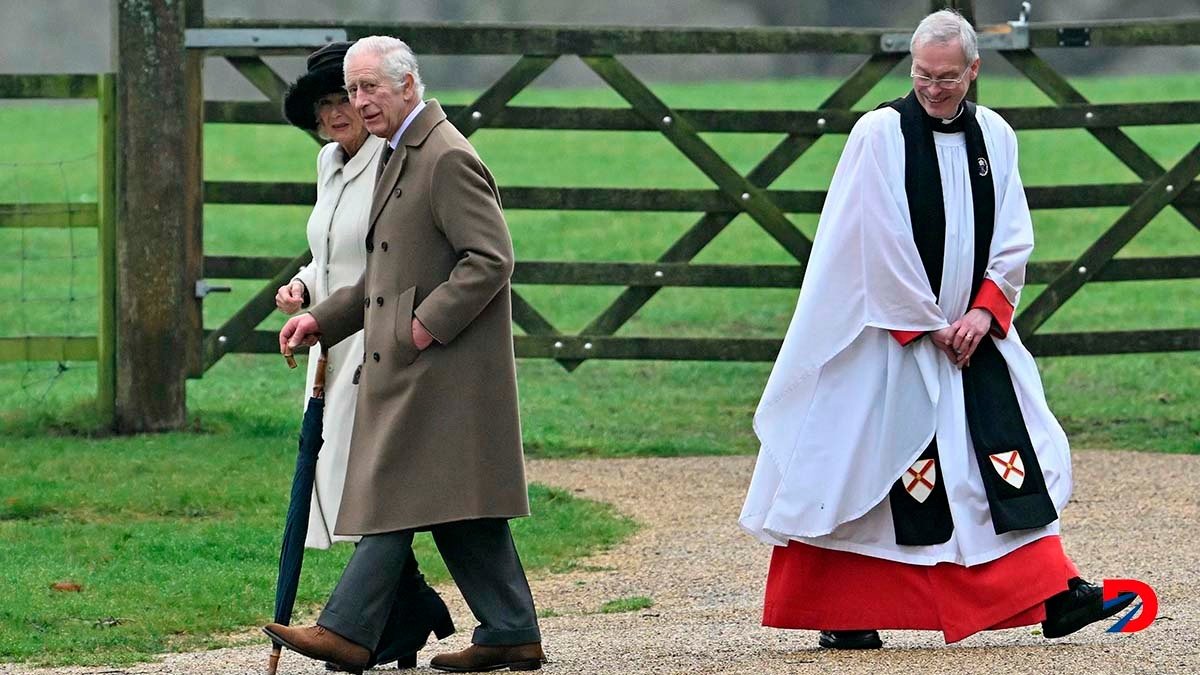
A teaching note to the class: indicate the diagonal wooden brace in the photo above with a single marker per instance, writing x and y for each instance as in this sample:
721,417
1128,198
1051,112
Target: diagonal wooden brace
474,117
1118,142
489,104
267,81
241,325
680,132
1157,197
782,157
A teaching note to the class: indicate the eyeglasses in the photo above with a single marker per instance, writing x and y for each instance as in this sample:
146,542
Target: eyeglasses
927,81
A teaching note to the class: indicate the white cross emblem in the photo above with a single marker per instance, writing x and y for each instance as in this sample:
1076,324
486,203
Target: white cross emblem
920,479
1010,467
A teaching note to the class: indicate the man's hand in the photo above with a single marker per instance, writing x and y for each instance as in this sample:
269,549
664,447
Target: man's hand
299,330
968,332
289,299
421,337
943,339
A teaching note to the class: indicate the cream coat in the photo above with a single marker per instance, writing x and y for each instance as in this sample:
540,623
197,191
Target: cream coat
337,232
437,435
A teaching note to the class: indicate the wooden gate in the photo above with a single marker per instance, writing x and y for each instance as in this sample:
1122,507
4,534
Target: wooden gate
244,43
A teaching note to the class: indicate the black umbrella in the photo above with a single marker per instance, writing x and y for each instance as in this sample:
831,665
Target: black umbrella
295,529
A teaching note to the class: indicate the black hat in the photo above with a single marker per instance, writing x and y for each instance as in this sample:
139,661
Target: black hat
324,77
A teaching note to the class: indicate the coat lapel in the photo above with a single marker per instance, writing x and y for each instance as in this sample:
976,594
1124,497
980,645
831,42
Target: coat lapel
367,158
416,133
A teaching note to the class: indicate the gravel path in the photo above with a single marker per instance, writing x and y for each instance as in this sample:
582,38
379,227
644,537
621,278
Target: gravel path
1134,515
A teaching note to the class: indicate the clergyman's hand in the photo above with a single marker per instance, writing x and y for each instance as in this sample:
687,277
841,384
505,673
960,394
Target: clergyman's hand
943,339
968,332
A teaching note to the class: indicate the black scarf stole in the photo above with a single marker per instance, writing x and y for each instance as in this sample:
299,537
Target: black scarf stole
993,413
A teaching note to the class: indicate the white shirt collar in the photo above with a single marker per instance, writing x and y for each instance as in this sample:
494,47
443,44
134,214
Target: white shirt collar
394,141
961,108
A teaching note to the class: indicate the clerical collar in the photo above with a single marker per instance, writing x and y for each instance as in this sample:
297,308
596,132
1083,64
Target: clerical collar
953,125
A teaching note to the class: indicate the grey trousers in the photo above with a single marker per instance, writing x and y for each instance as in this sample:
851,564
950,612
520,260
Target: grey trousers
479,554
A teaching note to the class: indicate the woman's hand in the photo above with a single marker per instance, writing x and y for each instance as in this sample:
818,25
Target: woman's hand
289,299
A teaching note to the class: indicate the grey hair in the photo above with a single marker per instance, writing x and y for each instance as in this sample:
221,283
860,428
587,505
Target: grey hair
398,59
946,26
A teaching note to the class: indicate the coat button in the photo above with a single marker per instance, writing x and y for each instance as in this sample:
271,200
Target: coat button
366,302
383,246
397,193
375,356
379,301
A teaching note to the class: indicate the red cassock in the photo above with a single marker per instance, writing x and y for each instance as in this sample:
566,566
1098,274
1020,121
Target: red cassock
823,589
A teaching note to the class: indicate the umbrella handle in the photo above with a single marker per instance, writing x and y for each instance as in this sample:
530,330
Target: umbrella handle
273,662
319,381
287,356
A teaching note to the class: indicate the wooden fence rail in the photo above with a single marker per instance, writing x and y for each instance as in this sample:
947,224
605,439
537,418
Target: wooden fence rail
161,47
244,43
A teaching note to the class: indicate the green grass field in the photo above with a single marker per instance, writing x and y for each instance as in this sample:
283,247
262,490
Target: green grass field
174,540
1143,402
156,501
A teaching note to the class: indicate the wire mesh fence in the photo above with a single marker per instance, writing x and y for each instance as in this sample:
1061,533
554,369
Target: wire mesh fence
48,286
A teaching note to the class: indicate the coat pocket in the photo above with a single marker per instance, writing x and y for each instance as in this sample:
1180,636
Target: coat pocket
407,351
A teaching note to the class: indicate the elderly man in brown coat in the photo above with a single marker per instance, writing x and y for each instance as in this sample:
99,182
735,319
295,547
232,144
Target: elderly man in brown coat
437,438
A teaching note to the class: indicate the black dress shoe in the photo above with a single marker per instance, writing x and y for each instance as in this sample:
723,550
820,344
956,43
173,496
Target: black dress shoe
402,645
1082,603
850,639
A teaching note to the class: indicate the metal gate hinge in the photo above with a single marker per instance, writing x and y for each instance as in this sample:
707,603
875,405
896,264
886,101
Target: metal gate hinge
203,288
1074,37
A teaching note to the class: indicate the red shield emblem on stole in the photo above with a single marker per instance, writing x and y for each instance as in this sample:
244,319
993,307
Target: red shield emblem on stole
920,479
1010,467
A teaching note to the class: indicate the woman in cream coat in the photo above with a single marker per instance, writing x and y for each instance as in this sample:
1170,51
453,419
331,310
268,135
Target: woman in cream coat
337,230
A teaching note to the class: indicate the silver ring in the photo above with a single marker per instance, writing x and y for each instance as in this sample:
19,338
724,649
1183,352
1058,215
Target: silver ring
970,336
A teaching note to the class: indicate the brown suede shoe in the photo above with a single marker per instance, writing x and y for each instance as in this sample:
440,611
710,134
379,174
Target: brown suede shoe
317,643
479,658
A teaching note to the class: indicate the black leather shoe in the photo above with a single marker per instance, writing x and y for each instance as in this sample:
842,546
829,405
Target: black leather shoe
402,645
850,639
1082,603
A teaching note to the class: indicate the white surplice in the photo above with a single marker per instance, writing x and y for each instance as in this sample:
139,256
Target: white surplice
337,233
847,409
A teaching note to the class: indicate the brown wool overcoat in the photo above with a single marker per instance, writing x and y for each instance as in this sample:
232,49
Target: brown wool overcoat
437,434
